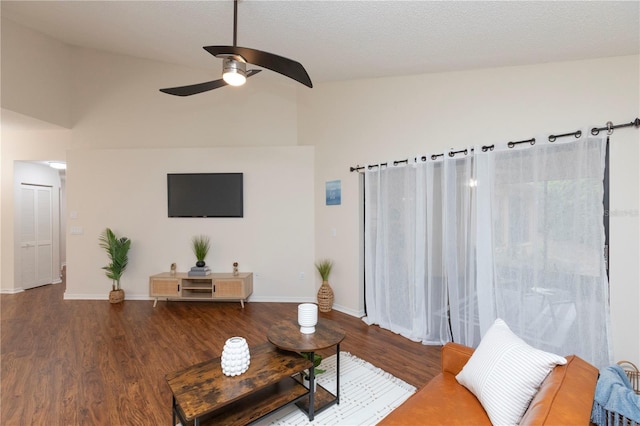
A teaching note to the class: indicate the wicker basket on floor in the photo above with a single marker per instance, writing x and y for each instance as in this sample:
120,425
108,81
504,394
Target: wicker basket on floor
632,373
325,297
116,296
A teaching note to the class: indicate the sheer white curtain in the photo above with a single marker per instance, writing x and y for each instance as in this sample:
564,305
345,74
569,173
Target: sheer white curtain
419,235
547,245
404,273
516,233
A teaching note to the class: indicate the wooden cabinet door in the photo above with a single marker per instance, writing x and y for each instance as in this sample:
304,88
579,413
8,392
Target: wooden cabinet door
229,288
164,287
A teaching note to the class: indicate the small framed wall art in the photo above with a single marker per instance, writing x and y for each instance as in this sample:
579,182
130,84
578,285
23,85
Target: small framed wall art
333,193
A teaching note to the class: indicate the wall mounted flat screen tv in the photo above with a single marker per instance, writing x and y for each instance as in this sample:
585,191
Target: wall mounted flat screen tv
205,194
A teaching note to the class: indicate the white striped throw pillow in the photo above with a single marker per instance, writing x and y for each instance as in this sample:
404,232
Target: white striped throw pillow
505,373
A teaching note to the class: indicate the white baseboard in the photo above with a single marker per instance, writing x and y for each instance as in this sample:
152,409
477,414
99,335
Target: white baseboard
357,314
68,296
127,296
276,299
20,289
11,290
252,299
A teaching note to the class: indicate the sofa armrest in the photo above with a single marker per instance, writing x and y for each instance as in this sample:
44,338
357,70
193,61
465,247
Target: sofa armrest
566,395
454,356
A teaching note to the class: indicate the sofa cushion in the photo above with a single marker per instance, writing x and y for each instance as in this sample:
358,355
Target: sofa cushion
504,373
441,402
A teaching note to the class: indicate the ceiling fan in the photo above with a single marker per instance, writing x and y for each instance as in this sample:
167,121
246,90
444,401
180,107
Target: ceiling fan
234,66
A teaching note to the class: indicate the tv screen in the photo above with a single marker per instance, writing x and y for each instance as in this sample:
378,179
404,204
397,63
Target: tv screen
205,194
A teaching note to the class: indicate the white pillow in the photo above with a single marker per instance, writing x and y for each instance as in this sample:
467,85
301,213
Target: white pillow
505,373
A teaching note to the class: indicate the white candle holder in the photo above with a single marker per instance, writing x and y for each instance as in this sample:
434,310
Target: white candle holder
235,358
307,317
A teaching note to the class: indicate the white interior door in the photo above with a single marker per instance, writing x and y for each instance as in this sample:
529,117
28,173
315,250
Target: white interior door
36,249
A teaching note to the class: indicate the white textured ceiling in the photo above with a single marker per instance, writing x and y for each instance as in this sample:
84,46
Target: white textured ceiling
343,40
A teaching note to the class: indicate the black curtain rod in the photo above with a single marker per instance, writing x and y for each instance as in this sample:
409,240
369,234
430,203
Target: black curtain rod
610,126
552,138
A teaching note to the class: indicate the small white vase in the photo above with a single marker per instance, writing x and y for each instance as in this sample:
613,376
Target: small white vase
307,317
235,358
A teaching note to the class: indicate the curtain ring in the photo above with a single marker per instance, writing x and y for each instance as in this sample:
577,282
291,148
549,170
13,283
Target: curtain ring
609,128
578,134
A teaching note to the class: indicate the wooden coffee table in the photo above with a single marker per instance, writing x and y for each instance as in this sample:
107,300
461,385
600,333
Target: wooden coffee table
203,392
286,335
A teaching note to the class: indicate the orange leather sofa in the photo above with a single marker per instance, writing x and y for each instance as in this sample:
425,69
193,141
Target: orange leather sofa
565,397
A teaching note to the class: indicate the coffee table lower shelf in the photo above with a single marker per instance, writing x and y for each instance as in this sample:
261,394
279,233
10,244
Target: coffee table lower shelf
255,406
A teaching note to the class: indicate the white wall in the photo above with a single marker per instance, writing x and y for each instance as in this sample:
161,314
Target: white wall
126,190
372,121
122,122
36,74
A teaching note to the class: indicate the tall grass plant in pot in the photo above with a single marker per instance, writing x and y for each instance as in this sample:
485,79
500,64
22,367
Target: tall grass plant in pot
325,293
200,245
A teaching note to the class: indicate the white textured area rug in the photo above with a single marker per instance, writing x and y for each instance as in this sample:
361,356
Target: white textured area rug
367,395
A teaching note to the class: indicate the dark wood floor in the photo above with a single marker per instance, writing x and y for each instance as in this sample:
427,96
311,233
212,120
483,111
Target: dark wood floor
70,362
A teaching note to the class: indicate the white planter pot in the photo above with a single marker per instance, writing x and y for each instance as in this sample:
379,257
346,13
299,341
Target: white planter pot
305,382
307,317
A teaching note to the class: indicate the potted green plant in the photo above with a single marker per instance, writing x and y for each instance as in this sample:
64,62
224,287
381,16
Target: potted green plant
325,293
200,245
118,252
317,359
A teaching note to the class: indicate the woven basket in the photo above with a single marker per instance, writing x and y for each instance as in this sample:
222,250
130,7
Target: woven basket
632,373
116,296
325,297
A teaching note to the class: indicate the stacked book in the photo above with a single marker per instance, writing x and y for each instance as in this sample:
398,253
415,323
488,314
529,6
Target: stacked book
197,271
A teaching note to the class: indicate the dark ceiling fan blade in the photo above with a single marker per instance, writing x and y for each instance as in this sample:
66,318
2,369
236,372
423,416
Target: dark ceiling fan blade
279,64
194,89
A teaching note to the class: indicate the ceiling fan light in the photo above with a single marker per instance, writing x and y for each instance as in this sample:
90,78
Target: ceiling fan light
234,73
59,165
